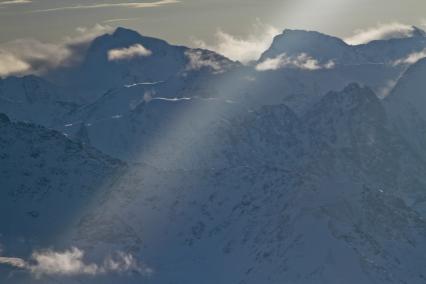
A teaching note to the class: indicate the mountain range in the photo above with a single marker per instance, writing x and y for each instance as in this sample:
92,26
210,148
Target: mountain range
305,166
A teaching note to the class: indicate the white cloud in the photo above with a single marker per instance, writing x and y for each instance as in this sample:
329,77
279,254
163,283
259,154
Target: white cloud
24,56
301,61
198,60
136,50
11,65
381,31
134,5
13,261
71,263
243,49
411,58
14,2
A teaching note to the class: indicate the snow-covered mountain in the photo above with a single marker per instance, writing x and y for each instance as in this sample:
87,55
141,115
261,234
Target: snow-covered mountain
325,197
320,46
325,48
125,57
33,99
221,173
314,64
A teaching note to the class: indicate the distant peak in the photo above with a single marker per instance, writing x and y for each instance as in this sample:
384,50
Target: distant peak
123,32
352,95
300,31
352,88
356,89
418,32
306,34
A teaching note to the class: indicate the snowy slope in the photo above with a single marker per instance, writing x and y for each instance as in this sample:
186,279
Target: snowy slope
322,198
405,106
35,100
338,213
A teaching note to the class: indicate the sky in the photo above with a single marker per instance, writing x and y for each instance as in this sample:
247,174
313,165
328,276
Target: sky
36,35
183,21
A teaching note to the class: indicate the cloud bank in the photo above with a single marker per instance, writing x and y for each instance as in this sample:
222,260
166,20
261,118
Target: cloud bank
243,49
71,263
301,61
381,31
136,50
25,56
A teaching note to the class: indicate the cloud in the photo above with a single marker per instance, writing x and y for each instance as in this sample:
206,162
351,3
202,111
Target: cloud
71,263
411,58
11,65
15,2
30,56
13,261
386,89
243,49
198,60
381,31
134,5
120,20
136,50
301,61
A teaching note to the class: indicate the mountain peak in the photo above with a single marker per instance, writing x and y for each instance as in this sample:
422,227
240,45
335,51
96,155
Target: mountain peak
418,32
306,33
351,97
121,32
320,46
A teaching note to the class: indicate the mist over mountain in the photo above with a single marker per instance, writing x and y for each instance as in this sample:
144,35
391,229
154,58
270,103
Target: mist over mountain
150,162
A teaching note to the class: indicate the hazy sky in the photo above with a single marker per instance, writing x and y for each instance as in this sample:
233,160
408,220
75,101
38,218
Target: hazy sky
184,21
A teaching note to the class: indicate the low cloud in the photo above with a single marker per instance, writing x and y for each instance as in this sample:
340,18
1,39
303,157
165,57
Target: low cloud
411,58
301,61
133,51
382,31
243,49
198,60
25,56
11,65
71,263
133,5
385,90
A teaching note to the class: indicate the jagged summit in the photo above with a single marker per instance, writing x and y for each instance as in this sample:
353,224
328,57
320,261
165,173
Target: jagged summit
351,97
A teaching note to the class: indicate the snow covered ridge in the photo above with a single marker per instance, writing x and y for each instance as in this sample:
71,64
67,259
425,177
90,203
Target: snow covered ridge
268,186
